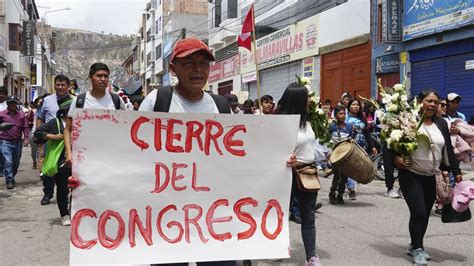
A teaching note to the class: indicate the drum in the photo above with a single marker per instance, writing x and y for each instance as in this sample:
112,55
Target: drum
351,160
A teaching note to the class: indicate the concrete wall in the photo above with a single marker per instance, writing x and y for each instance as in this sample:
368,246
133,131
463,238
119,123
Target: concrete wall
344,22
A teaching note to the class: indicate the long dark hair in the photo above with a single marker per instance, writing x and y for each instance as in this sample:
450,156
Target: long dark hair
360,115
294,102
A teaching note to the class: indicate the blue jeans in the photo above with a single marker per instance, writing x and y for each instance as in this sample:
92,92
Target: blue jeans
351,184
11,153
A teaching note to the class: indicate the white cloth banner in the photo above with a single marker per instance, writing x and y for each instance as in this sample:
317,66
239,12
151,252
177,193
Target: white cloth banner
162,188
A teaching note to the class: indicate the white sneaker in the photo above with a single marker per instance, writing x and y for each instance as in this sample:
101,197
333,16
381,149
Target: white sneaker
313,261
66,220
392,194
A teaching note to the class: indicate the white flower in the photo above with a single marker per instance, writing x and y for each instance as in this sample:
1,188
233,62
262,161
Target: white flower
379,113
392,108
305,81
395,97
403,98
320,111
387,99
399,87
396,134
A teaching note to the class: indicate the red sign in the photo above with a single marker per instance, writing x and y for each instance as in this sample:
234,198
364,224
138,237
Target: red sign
227,68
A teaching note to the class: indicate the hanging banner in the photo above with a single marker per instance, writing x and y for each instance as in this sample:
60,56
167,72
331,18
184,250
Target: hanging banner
180,187
430,16
391,21
28,38
292,43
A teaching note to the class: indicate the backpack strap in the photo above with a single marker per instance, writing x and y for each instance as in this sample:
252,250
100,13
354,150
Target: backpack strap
164,95
81,100
163,99
221,103
116,100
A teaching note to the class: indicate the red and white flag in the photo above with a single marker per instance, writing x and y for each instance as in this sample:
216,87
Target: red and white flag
245,38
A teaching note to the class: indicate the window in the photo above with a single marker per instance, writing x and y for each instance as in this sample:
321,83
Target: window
14,35
158,51
231,8
158,25
379,23
148,35
217,13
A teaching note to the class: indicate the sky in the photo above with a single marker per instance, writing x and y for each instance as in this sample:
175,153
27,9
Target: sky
110,16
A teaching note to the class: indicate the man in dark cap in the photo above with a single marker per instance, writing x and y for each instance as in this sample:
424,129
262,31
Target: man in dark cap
12,140
234,103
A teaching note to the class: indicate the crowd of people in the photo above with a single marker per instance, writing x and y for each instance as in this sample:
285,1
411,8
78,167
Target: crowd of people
46,125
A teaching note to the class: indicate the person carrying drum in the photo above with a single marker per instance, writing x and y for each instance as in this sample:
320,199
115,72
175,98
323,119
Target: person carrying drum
339,130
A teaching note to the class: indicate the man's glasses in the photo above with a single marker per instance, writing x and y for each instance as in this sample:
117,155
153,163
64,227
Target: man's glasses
443,105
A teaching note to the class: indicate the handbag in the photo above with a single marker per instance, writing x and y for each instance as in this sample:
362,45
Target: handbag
307,179
444,192
53,152
449,215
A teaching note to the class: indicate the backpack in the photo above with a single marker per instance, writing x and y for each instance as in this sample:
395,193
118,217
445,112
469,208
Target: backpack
81,99
163,101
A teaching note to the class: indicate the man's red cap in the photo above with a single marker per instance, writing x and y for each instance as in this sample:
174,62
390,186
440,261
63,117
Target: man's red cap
189,46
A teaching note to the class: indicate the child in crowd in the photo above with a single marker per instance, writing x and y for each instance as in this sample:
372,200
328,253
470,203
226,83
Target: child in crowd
339,130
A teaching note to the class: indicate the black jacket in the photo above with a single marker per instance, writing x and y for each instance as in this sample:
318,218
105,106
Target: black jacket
449,162
50,127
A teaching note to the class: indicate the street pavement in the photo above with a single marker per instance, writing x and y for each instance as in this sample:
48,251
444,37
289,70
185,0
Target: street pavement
373,230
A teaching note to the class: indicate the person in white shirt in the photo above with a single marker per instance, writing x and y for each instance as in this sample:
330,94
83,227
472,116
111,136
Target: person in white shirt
97,98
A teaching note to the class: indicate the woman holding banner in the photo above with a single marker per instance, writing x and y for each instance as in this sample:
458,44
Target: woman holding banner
295,101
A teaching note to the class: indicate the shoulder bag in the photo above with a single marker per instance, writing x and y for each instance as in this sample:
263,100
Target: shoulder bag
307,178
53,152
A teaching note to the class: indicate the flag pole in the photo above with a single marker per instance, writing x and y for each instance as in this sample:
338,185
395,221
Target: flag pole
254,33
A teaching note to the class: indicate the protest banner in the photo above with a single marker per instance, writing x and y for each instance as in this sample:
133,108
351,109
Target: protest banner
162,188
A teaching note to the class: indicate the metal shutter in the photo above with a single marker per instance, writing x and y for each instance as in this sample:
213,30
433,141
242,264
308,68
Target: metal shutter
460,81
274,81
427,74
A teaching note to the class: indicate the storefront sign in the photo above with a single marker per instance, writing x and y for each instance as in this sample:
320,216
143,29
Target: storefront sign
388,64
292,43
403,57
429,16
391,21
28,38
227,68
249,77
469,64
33,77
308,67
174,190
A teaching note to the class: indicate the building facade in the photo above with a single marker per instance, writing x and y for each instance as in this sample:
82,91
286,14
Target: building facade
20,58
163,22
434,48
301,38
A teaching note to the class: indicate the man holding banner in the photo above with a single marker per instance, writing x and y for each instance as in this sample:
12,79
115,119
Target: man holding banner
180,187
